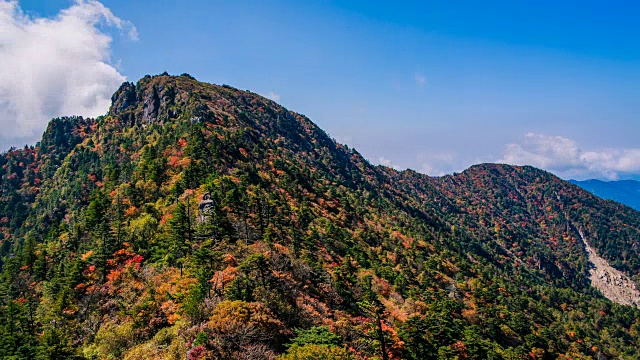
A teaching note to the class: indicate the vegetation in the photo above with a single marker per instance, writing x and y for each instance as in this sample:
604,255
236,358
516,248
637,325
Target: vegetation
309,251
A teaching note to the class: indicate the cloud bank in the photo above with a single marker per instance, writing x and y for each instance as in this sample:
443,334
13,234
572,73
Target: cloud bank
52,67
564,157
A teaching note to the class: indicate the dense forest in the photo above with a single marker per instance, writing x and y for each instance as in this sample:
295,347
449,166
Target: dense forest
304,250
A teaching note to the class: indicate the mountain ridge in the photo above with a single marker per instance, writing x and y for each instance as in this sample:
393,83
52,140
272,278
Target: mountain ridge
306,234
623,191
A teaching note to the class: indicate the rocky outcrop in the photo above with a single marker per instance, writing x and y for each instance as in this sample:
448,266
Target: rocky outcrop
151,105
123,98
612,283
147,101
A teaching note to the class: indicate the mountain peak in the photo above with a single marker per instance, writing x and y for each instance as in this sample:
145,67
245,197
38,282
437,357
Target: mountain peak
164,97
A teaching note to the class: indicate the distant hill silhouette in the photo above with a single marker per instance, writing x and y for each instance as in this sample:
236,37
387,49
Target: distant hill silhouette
623,191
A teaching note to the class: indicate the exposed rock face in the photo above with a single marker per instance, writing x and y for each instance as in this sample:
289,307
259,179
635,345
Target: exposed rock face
612,283
123,98
151,105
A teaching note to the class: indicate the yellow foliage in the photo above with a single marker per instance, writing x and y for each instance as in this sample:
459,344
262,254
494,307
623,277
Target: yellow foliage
87,255
241,322
316,352
166,345
111,341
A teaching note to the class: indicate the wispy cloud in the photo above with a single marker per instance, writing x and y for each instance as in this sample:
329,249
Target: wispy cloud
566,158
439,163
388,163
345,139
273,96
421,81
55,66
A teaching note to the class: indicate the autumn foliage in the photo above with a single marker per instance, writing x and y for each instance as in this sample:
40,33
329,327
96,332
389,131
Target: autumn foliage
308,251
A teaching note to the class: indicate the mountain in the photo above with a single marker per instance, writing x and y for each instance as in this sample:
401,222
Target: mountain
204,222
623,191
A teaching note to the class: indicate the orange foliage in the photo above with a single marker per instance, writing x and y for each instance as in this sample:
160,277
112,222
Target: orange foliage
130,211
173,160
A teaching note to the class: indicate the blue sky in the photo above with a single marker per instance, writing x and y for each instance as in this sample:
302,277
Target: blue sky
426,85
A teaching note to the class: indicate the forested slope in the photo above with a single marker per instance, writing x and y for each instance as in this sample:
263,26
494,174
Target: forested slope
309,250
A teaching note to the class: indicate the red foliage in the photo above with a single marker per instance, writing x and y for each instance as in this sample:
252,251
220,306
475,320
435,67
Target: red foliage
173,160
135,260
196,353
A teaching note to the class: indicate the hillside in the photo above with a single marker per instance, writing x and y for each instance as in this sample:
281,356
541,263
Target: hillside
306,250
623,191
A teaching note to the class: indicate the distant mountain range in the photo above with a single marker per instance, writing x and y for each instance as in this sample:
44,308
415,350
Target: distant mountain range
624,191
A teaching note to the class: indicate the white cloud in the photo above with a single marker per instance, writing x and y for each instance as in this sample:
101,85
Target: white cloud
566,158
273,96
346,139
438,163
432,163
388,163
420,80
55,66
